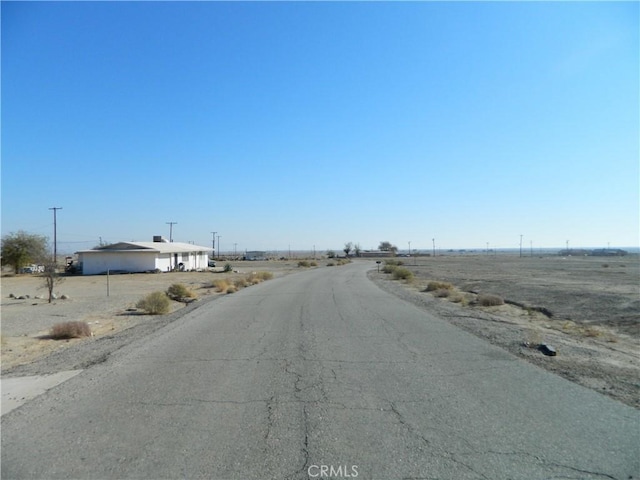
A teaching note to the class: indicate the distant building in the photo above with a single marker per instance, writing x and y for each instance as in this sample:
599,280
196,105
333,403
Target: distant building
255,255
134,257
377,253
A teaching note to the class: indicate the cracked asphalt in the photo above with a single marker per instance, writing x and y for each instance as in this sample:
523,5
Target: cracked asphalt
318,368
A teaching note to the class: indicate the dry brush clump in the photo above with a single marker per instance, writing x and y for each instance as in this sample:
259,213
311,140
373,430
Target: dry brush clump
67,330
307,263
180,293
257,277
156,303
434,286
442,293
392,261
389,268
232,285
401,273
488,300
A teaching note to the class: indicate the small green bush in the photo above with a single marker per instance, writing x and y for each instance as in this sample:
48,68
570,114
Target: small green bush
65,330
227,267
401,273
156,303
487,300
179,292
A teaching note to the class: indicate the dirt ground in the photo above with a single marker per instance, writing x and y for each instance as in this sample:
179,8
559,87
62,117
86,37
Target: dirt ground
107,304
587,308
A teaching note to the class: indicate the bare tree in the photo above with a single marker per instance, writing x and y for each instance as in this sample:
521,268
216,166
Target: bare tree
347,248
357,249
51,278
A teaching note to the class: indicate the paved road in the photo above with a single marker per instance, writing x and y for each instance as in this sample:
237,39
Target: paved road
313,375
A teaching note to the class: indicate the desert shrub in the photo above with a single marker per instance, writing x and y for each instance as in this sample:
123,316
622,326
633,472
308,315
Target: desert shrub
264,275
232,289
442,293
591,332
241,282
179,292
61,331
156,303
227,267
331,264
344,261
221,285
487,300
401,273
455,297
304,263
313,263
257,277
434,286
389,268
393,261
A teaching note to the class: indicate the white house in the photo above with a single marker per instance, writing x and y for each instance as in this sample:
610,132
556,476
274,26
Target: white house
143,257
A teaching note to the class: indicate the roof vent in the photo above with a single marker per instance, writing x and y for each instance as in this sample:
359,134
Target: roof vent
159,239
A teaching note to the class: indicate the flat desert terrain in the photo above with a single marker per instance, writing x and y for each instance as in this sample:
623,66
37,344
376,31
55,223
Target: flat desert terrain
587,308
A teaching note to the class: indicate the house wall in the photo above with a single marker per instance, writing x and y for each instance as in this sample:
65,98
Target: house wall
101,261
191,260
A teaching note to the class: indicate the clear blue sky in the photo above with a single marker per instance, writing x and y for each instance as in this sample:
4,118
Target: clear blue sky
300,124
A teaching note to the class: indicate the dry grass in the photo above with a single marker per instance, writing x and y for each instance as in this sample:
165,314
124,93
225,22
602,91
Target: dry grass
66,330
257,277
307,263
401,273
156,303
434,286
232,285
488,300
180,292
221,285
442,293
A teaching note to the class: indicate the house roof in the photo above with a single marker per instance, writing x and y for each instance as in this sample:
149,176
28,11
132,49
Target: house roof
151,247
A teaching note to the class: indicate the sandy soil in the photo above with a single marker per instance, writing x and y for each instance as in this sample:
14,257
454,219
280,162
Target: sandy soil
26,323
587,308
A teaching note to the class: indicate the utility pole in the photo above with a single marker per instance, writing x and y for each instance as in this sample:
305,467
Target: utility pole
218,245
235,249
55,235
171,224
520,245
434,246
213,244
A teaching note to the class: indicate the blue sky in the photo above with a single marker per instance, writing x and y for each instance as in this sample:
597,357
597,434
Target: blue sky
307,124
